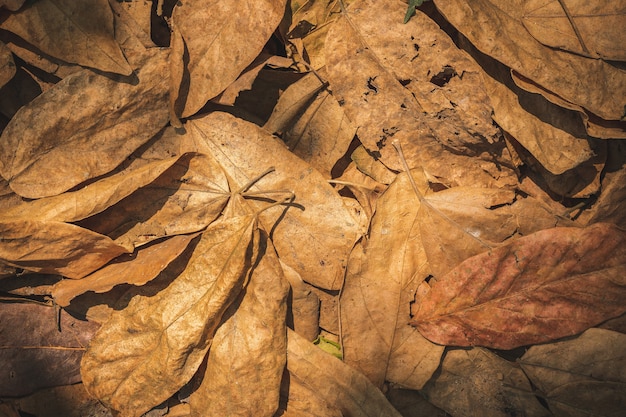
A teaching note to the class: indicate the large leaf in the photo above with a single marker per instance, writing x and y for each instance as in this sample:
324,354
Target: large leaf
204,31
83,127
583,376
245,363
149,350
73,31
553,283
315,235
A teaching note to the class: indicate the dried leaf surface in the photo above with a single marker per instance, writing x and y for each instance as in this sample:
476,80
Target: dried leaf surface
34,353
553,283
332,380
101,119
582,376
496,28
7,65
136,269
249,351
315,236
477,382
204,32
150,349
359,59
71,31
55,247
584,28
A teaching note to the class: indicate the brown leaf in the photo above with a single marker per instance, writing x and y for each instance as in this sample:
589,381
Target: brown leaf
583,376
7,65
581,27
374,308
304,305
164,338
333,381
202,62
76,32
553,283
312,124
82,128
184,199
34,353
12,5
249,351
477,382
55,247
360,62
496,29
316,235
136,269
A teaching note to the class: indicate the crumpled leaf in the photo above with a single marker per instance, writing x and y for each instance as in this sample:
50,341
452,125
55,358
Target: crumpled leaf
153,347
332,380
551,284
55,247
477,382
101,119
34,353
249,351
184,199
361,63
136,269
312,124
585,28
583,376
203,34
72,31
315,236
496,29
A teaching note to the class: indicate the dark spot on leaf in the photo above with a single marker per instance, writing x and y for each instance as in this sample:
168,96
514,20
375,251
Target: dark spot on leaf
443,77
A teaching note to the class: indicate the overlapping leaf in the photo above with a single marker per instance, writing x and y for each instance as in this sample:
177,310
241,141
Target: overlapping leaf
553,283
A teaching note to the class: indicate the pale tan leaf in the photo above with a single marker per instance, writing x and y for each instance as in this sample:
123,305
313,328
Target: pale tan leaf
477,382
136,269
55,247
361,65
184,199
304,305
298,400
315,235
496,29
7,65
249,351
365,189
367,164
91,199
582,27
333,381
374,303
82,128
582,376
71,31
203,64
150,349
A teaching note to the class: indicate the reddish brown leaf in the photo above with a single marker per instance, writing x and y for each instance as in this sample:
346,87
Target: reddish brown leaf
553,283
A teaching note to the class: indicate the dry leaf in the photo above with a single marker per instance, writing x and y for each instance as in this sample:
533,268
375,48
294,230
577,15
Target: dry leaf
359,61
34,353
202,62
374,300
297,400
495,27
314,236
71,31
7,65
65,400
582,27
304,306
136,269
82,128
583,376
12,5
333,381
164,338
553,283
476,382
249,351
55,247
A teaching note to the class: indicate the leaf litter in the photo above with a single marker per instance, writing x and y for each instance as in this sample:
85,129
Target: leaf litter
396,190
